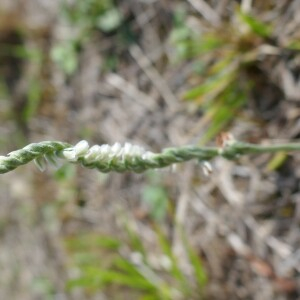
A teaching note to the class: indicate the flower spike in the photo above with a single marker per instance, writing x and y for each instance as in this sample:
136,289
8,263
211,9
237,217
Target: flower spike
129,157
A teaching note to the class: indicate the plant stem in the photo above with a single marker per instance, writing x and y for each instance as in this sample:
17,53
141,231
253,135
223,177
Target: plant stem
119,158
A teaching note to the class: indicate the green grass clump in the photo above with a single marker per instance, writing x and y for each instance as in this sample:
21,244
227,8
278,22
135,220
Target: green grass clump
223,60
103,265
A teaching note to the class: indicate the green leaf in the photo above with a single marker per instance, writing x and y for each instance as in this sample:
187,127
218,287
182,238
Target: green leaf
255,25
95,277
92,240
199,271
206,44
223,110
175,269
34,98
277,161
294,45
213,84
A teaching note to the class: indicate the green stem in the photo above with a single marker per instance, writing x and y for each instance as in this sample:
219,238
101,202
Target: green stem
30,152
130,158
246,148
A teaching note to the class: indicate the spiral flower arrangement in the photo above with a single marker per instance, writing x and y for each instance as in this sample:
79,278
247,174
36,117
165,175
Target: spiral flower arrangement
128,157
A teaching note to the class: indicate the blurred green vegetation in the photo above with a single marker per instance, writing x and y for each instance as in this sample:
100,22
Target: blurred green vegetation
222,62
87,18
125,266
14,51
155,196
107,264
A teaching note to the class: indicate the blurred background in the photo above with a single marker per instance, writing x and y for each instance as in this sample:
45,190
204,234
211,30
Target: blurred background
157,74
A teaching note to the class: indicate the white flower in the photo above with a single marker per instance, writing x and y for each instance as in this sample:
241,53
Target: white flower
147,155
127,150
137,150
69,154
115,149
2,158
80,149
104,152
92,154
130,150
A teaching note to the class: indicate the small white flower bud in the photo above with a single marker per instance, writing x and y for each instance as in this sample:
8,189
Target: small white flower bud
127,149
147,155
120,153
92,154
104,152
81,148
69,154
137,150
115,149
75,152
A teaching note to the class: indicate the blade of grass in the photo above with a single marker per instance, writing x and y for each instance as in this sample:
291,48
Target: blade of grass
256,26
175,269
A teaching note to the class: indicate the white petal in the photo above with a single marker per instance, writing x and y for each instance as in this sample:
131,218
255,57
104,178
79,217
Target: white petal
81,148
69,154
93,153
138,150
2,158
115,149
103,152
120,153
127,149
